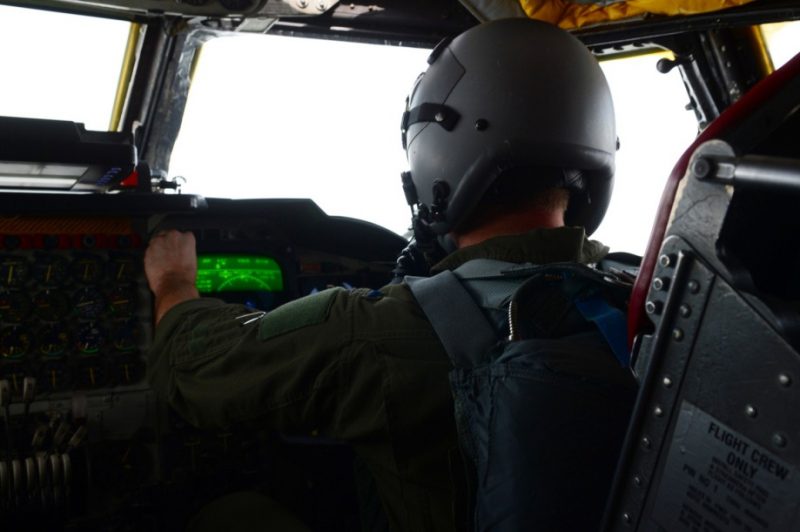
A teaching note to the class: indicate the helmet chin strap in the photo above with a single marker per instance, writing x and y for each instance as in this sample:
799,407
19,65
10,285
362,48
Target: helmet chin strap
433,248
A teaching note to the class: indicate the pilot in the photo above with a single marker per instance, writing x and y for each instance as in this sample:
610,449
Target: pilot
510,139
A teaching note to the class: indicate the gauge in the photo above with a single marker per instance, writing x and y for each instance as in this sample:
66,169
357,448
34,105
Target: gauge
54,376
14,342
122,269
90,339
50,270
124,336
53,341
14,306
122,302
15,372
128,370
14,271
90,373
50,304
87,269
89,302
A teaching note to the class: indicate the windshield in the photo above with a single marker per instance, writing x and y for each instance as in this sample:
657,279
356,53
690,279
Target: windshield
783,41
47,81
272,116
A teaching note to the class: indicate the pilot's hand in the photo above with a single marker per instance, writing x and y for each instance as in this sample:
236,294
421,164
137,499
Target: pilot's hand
170,264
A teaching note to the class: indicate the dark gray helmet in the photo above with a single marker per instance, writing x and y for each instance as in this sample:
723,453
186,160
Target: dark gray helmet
508,95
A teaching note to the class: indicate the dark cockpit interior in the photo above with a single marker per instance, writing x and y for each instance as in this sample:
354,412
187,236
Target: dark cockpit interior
87,445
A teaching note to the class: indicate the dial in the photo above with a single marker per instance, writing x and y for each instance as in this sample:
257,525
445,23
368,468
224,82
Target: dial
122,302
90,373
50,270
122,269
14,306
53,341
124,336
90,339
128,370
87,269
89,302
14,342
50,304
14,271
15,372
54,376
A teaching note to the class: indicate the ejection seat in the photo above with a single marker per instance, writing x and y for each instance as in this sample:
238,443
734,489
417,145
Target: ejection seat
714,443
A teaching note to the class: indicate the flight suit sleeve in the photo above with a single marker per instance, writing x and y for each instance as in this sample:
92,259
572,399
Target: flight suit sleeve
361,366
293,369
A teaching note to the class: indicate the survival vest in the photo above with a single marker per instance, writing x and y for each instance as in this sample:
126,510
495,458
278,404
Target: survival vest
541,387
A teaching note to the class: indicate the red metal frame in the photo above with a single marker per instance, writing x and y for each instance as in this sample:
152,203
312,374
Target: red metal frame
730,118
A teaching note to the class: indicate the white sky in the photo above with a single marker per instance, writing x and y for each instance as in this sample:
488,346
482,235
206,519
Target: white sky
61,71
323,121
287,117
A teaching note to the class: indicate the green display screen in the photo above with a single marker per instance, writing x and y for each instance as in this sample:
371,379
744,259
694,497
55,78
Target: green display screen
238,273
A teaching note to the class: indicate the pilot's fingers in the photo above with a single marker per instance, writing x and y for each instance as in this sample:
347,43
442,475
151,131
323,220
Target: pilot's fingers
170,257
172,243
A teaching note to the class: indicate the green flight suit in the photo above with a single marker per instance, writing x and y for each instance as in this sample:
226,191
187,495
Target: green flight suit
361,366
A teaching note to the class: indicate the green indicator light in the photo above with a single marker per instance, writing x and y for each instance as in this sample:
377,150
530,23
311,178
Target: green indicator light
238,273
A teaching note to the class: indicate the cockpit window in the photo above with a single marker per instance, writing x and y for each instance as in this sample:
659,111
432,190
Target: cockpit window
272,116
654,128
43,79
783,41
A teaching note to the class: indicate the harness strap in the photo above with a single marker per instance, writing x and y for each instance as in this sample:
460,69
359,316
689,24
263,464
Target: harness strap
459,322
611,322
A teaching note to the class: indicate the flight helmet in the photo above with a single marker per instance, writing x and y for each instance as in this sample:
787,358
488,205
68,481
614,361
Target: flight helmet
503,98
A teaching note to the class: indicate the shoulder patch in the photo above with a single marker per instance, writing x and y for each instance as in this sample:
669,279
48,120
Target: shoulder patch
303,312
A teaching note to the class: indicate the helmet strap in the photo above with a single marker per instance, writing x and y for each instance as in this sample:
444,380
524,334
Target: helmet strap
445,116
425,239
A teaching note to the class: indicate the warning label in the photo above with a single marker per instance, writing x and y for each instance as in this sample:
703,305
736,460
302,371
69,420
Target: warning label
715,479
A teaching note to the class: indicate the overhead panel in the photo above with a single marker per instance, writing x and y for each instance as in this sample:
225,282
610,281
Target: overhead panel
579,13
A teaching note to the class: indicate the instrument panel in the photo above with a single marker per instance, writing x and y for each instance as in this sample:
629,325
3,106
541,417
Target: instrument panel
85,443
69,313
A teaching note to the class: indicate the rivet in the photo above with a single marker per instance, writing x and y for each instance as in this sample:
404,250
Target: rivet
779,440
666,260
321,6
685,310
626,517
653,307
302,4
677,334
667,382
784,380
481,124
637,480
660,283
439,117
694,286
646,442
750,411
658,412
